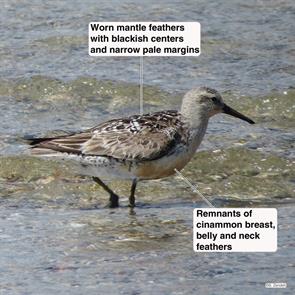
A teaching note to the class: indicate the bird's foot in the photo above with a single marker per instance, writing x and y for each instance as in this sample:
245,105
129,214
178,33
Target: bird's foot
131,202
132,211
114,201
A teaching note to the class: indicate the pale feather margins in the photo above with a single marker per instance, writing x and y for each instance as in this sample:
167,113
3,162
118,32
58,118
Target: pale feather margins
139,137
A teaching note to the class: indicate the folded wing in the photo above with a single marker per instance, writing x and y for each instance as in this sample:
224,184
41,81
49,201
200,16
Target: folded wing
145,137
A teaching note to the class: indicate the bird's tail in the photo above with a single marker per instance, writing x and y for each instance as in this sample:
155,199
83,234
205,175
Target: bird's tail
34,141
36,148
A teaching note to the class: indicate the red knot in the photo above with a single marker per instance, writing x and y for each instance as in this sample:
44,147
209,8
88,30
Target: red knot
139,147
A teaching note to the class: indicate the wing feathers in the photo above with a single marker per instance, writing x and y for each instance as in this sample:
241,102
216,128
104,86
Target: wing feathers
143,137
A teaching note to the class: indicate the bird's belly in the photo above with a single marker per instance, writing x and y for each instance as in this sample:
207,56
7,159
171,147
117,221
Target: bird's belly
102,167
163,167
153,169
111,168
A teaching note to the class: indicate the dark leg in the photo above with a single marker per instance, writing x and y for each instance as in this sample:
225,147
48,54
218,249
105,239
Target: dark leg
114,199
132,197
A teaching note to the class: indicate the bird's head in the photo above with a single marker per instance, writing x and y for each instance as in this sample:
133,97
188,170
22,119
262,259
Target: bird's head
208,102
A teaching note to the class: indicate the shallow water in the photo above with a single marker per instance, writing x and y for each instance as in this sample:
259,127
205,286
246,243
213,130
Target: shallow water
247,48
74,252
56,235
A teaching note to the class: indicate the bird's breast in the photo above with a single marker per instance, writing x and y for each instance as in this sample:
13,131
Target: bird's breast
164,166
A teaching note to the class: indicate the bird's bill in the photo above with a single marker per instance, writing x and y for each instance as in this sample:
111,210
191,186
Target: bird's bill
228,110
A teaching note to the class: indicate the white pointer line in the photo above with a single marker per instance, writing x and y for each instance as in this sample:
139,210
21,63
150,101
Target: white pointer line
194,188
141,85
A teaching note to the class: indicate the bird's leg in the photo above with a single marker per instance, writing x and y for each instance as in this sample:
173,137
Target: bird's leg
114,199
132,197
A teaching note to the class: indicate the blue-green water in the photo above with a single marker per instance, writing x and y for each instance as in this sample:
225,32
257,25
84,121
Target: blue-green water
55,235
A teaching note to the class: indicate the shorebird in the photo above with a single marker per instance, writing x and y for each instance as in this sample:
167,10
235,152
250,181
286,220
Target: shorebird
139,147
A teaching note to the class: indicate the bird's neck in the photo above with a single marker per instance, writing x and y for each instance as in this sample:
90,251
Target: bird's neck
197,132
197,122
197,117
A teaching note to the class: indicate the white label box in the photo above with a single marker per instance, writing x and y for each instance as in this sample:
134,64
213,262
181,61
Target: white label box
144,39
235,229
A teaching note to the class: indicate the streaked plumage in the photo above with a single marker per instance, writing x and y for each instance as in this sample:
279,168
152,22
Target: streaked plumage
139,137
139,147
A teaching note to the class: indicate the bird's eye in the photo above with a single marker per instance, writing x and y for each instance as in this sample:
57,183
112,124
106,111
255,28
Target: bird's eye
214,99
